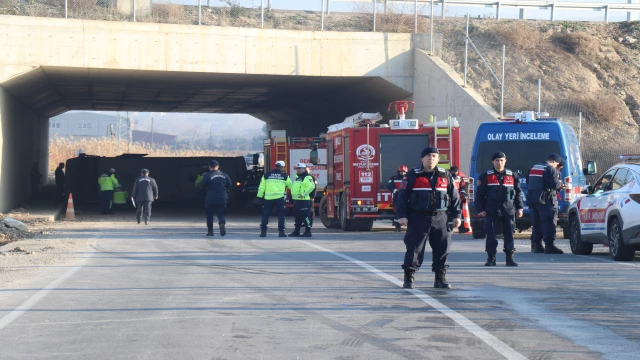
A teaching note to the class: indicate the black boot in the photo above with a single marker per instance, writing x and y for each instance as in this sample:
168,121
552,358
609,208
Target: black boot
398,227
491,259
263,233
210,232
138,220
550,248
223,230
537,248
307,233
282,234
408,279
146,221
441,280
510,260
296,232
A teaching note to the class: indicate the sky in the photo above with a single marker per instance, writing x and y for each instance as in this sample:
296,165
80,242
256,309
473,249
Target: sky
350,5
187,125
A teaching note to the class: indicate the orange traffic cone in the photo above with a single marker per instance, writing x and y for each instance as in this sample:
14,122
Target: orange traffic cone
466,222
71,213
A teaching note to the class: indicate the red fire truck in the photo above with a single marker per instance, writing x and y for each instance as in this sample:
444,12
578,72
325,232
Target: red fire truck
294,150
363,153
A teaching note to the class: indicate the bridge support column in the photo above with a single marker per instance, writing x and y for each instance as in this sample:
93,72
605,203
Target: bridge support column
23,141
632,16
523,13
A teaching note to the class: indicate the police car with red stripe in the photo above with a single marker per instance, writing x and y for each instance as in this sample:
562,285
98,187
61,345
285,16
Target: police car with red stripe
609,213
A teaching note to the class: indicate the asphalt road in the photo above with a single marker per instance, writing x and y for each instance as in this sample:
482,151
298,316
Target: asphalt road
164,291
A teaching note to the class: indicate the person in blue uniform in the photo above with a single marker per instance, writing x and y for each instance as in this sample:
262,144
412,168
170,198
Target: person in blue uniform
427,201
499,201
542,197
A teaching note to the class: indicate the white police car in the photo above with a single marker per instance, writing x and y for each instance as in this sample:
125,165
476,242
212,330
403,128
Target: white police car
609,213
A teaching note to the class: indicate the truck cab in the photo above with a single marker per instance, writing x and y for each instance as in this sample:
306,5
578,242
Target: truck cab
528,138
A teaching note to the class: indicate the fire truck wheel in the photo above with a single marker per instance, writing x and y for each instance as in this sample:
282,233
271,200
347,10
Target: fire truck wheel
478,232
328,223
345,224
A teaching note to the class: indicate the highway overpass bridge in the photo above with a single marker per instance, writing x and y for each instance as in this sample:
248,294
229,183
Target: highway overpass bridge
301,81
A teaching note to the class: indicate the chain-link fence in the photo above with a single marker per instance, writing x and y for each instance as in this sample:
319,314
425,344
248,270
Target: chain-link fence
585,74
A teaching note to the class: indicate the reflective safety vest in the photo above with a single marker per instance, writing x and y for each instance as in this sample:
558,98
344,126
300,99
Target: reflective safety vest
500,193
273,185
302,187
429,197
107,182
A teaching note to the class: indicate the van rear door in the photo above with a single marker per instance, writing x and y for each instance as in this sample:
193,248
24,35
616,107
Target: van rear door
525,144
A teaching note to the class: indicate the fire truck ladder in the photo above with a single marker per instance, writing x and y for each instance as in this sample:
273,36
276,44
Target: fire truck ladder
442,142
281,148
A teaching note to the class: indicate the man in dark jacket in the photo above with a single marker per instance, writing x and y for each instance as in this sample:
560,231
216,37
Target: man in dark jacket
216,185
60,179
145,191
542,197
499,201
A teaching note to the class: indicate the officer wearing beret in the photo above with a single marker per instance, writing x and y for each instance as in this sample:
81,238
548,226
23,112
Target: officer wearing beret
542,197
427,200
499,199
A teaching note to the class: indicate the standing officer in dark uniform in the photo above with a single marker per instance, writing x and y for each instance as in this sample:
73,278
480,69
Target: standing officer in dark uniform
498,199
426,202
145,191
394,184
542,197
216,185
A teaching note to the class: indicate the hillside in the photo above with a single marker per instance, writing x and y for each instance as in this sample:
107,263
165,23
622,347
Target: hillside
592,68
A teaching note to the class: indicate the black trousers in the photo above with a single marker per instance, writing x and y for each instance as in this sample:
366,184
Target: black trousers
491,225
267,208
219,210
301,213
312,211
394,201
106,199
143,210
423,227
544,220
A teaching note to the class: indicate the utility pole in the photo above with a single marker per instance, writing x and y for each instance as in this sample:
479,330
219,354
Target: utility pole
152,132
130,132
209,147
119,129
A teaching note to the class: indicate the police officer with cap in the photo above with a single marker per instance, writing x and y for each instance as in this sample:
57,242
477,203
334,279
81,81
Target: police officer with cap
301,190
498,200
216,186
426,202
145,191
542,197
271,192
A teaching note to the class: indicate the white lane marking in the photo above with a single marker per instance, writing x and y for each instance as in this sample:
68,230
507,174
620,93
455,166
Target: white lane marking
495,343
33,300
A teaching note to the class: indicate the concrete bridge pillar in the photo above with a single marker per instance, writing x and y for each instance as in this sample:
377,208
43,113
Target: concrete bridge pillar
126,7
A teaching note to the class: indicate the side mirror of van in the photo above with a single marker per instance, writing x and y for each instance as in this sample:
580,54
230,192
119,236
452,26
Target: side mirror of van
586,190
591,168
313,157
256,159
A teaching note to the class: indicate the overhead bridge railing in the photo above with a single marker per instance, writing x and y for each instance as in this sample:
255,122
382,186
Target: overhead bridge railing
631,8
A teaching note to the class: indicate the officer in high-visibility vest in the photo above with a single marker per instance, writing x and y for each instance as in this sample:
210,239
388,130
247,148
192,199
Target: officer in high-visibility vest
108,183
427,200
394,184
499,200
542,197
302,187
271,193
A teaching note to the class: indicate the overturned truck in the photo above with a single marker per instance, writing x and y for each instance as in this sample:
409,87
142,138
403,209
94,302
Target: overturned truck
175,176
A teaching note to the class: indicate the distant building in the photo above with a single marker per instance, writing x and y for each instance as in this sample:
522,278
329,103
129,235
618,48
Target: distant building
156,139
82,125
